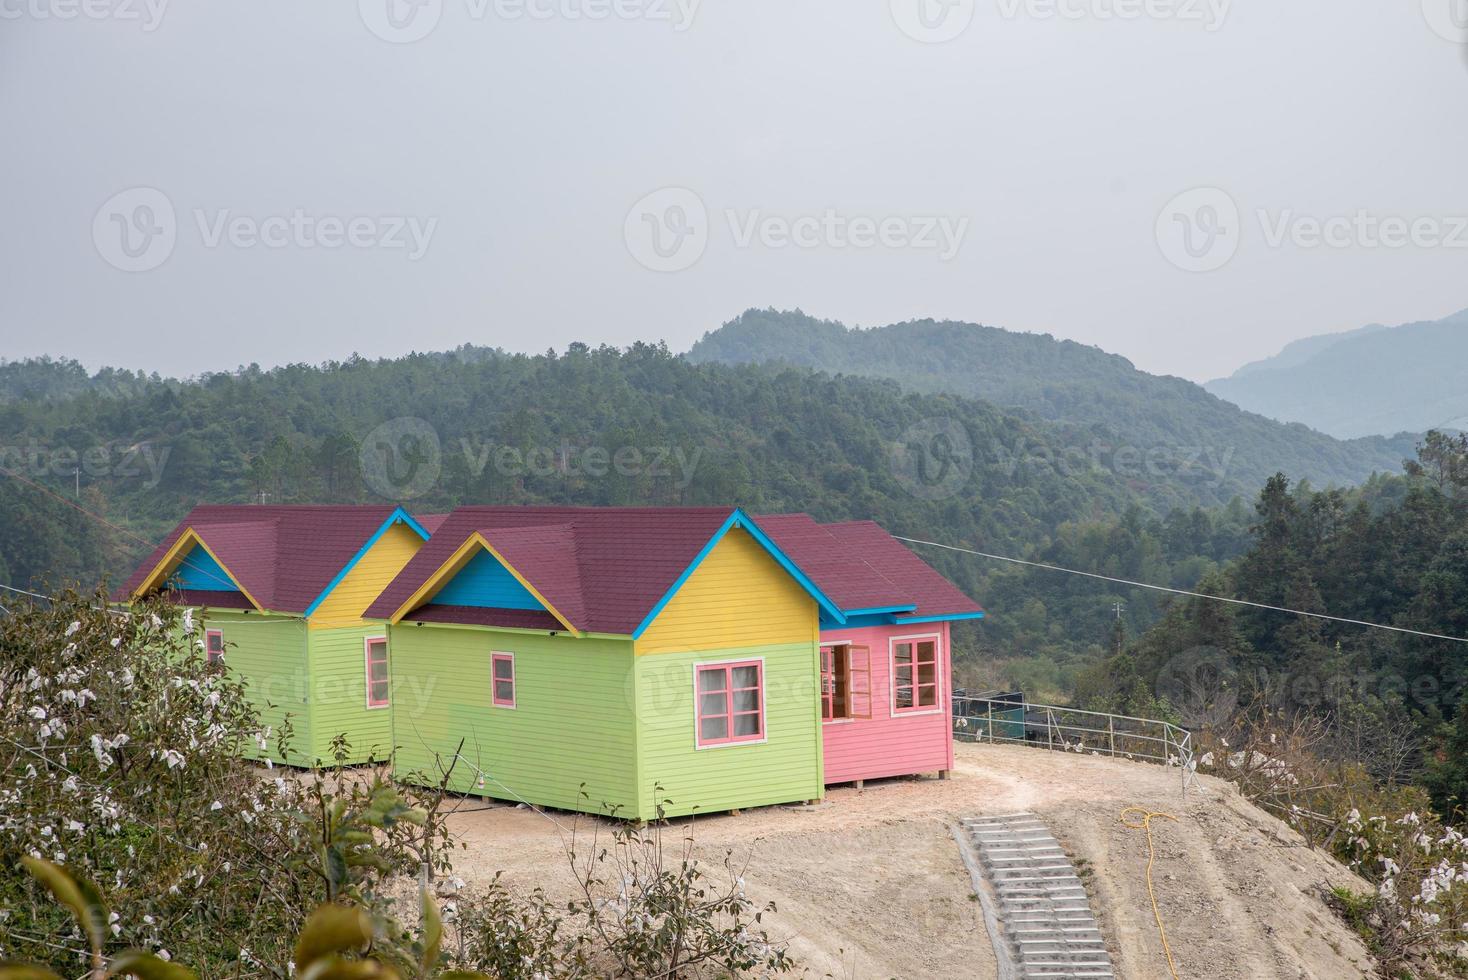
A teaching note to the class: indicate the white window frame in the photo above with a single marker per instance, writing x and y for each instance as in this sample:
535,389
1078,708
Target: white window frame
764,715
367,642
938,658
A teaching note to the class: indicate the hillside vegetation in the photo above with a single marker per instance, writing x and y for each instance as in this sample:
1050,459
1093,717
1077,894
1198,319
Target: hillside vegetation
1101,398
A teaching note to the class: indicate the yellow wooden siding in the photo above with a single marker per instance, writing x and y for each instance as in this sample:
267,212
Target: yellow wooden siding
364,583
737,597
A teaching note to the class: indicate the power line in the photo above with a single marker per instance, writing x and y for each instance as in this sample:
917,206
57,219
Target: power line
1184,592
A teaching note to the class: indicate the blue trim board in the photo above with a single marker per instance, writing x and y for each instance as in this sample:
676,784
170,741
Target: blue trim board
877,610
742,520
396,517
854,621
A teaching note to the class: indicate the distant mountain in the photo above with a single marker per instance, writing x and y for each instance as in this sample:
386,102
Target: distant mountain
1106,404
1372,381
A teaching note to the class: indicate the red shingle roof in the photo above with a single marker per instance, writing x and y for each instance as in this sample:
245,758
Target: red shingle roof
283,556
604,568
861,566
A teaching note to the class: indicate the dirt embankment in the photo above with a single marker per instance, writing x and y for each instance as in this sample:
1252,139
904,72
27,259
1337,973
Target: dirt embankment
870,884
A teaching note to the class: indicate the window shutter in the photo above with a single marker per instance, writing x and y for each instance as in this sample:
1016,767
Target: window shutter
861,681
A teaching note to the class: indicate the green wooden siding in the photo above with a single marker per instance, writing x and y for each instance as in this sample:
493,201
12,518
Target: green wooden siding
268,653
785,768
339,696
572,723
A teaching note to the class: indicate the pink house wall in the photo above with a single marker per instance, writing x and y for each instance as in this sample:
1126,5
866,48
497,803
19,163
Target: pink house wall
890,744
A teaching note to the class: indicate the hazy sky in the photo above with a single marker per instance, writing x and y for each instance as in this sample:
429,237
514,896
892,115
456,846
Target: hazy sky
191,186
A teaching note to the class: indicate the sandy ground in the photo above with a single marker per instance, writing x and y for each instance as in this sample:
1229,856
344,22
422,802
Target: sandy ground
870,884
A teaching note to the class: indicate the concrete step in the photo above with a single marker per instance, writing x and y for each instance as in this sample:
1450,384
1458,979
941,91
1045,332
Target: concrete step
1043,910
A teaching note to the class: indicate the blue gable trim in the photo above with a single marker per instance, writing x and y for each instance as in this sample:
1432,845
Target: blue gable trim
487,584
397,516
740,519
877,610
198,571
857,621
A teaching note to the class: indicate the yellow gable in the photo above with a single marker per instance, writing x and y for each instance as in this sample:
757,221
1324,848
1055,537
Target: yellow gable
737,597
364,583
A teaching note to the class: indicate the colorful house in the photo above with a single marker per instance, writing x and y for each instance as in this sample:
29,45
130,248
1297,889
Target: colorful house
886,671
282,591
674,659
637,659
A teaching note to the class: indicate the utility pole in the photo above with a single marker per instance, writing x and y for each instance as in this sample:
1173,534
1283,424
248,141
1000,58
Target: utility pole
1119,630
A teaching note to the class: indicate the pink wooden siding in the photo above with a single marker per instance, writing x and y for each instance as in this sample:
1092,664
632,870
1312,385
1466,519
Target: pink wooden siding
888,743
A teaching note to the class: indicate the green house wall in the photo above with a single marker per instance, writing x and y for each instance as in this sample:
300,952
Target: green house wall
268,654
784,768
569,742
339,697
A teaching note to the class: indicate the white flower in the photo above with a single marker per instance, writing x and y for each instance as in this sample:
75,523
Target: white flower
174,758
188,621
73,628
37,712
216,805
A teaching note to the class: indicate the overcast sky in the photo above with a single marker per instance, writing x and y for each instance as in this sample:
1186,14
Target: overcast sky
192,186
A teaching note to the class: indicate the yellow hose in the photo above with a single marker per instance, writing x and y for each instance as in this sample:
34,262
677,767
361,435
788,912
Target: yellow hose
1146,825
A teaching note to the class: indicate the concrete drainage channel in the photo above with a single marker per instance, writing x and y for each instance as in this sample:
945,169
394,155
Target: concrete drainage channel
1035,906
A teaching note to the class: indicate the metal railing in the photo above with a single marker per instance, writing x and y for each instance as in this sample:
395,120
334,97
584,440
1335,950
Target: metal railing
1060,729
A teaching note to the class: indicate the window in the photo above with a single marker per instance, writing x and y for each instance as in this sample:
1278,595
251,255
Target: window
731,703
503,665
915,674
835,683
214,645
379,684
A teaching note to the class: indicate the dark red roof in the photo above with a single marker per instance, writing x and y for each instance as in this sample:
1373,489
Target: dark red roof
284,556
604,568
430,522
860,566
520,619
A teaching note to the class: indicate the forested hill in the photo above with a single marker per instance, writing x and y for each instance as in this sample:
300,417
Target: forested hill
1101,395
599,426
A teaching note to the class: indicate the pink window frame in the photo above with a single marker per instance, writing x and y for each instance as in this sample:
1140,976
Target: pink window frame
209,655
728,667
494,694
917,709
374,705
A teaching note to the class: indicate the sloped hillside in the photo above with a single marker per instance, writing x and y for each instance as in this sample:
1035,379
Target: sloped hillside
1101,396
1375,380
870,884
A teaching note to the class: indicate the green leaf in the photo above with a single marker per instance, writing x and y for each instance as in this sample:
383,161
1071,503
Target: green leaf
144,965
432,931
25,971
336,968
332,929
77,894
